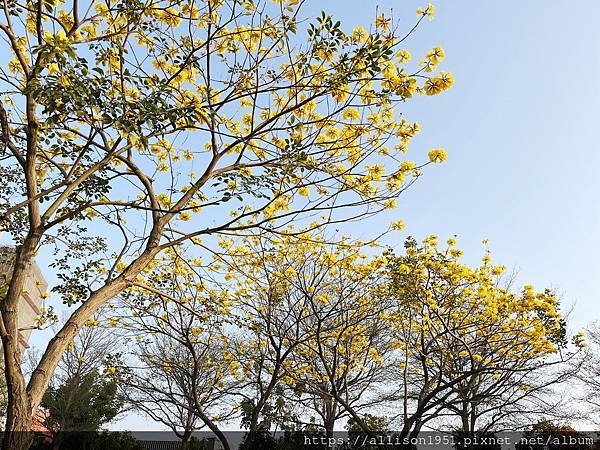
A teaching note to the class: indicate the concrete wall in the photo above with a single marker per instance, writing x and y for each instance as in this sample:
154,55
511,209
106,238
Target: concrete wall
31,300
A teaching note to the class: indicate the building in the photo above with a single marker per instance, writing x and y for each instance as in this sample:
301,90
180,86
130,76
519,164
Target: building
32,297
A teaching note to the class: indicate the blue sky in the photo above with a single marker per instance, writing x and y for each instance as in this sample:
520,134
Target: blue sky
521,128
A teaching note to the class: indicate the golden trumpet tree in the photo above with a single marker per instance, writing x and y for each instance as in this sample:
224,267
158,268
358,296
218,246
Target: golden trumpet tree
315,330
269,320
178,370
464,337
132,126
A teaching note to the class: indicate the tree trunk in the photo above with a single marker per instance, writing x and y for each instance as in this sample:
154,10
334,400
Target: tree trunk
18,435
466,424
329,427
185,439
330,413
214,428
19,410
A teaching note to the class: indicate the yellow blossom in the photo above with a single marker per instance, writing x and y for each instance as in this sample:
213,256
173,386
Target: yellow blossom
437,155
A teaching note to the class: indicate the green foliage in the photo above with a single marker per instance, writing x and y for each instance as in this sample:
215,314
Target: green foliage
93,441
274,414
195,444
82,403
547,435
375,424
356,434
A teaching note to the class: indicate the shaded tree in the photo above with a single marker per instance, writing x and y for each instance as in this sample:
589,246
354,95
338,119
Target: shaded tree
84,402
552,436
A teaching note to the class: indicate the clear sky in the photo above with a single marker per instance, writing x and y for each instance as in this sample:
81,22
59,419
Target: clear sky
522,130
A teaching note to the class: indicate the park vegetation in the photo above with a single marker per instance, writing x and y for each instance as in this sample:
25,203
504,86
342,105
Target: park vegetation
187,166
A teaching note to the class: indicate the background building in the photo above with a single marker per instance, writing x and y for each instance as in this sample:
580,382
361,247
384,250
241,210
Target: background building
31,299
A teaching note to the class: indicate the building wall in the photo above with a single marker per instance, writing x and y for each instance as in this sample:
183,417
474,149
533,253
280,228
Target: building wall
31,299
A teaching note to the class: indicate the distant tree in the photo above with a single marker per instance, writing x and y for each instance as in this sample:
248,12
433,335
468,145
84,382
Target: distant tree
179,367
547,435
470,347
84,402
314,336
357,435
589,375
83,396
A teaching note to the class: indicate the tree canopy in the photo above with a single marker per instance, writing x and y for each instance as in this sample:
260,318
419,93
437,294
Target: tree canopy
131,127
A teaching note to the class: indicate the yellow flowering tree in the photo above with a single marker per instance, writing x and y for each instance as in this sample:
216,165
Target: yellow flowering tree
268,322
314,336
180,371
469,345
129,127
342,370
272,321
